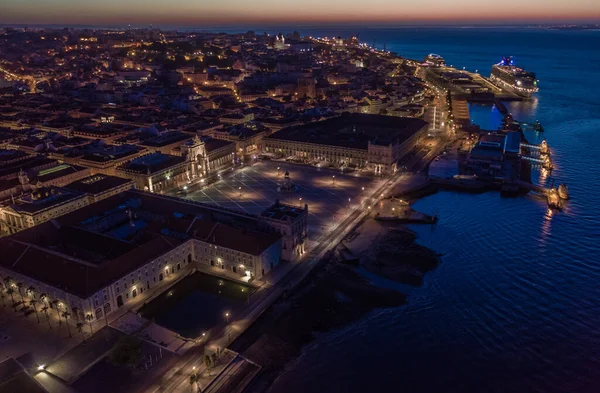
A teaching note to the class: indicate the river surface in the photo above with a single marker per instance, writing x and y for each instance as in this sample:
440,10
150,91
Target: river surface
515,304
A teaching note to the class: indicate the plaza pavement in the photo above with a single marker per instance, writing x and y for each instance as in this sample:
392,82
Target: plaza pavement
329,193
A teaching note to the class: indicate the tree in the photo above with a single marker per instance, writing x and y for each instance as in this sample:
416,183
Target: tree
193,380
127,352
66,315
56,303
208,363
2,295
7,281
90,318
76,312
45,310
19,286
11,291
79,327
32,302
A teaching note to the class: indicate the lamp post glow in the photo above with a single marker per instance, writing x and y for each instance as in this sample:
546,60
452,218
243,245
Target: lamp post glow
333,180
227,317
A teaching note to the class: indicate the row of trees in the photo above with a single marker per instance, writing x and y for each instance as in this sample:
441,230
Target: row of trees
10,287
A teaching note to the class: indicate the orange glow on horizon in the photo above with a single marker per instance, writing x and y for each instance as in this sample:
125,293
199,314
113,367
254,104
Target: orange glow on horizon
193,13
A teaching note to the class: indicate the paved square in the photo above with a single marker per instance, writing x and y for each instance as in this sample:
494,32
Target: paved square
254,188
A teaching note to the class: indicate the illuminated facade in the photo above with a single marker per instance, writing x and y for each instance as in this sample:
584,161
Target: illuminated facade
372,142
100,258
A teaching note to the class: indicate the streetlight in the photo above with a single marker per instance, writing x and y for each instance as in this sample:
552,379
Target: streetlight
278,171
363,188
240,188
333,180
227,317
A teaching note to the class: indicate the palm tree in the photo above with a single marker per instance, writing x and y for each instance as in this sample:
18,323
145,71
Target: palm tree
76,312
31,291
33,302
56,302
19,286
79,327
7,281
66,315
45,310
11,291
90,318
208,363
193,380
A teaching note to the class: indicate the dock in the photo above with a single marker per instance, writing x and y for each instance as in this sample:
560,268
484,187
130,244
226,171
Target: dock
551,194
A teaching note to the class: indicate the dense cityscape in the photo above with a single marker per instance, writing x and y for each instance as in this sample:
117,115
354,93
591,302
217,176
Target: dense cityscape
182,210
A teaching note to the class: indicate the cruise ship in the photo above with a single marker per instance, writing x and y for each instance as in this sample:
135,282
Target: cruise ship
435,60
514,79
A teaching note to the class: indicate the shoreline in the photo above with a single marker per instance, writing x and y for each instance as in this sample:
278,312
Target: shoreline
334,295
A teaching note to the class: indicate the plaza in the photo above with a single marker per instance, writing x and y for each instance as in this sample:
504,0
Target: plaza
330,194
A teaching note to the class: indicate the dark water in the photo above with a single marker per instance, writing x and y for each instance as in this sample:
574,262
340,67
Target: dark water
196,303
488,117
515,304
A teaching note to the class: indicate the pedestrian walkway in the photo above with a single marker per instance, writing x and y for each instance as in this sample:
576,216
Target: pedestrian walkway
75,362
234,378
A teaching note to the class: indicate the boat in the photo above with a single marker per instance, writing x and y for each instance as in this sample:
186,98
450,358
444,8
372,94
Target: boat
563,191
509,77
435,60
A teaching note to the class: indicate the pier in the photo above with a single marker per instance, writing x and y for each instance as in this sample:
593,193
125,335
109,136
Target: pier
554,197
542,147
537,126
543,152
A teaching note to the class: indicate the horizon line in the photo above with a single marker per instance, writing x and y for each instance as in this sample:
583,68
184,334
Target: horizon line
399,24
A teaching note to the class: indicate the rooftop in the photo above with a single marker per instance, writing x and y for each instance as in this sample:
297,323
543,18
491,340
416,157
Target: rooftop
43,198
353,130
58,171
279,211
97,184
212,144
102,242
13,378
166,139
151,163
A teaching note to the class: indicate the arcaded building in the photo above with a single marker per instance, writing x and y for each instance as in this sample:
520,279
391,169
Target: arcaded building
372,142
98,258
